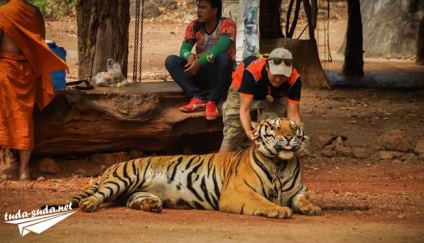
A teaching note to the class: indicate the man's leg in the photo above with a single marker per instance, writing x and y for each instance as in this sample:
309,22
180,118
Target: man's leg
233,131
222,68
221,79
24,156
175,66
233,138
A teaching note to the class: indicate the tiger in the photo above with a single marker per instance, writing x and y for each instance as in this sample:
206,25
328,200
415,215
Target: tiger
262,180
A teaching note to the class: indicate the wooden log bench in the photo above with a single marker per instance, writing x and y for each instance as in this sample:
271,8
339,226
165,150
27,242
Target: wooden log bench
142,117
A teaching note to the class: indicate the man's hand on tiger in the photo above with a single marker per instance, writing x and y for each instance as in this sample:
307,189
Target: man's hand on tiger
252,135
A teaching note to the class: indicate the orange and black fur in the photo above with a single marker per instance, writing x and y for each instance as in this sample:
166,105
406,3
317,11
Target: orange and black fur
263,180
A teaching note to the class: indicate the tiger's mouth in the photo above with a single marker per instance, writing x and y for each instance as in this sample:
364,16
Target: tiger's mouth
284,151
280,148
288,147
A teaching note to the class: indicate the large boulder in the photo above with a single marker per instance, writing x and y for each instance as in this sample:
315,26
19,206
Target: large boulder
140,117
394,140
391,30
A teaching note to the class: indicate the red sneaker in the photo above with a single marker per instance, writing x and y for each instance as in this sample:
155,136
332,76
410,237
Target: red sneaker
195,104
211,111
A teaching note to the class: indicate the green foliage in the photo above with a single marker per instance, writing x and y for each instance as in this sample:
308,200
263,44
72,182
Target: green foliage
41,4
53,9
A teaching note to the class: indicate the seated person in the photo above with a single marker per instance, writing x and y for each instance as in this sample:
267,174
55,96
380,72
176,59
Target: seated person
211,66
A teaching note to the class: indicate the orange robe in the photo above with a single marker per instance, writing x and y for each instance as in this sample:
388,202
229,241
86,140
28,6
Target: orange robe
24,78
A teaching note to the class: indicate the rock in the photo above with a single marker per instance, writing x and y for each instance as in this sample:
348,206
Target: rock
6,156
419,148
330,147
344,151
168,4
394,140
143,116
9,172
411,157
339,141
328,153
48,165
135,153
81,171
109,159
341,4
40,178
385,155
321,139
151,10
360,153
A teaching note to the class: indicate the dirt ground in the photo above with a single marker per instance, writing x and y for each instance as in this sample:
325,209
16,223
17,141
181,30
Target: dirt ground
373,197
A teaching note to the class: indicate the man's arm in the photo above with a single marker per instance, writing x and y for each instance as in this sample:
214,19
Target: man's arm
185,50
194,64
293,112
221,46
246,120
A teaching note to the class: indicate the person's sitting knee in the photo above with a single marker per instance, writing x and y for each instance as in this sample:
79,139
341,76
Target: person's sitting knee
172,61
224,59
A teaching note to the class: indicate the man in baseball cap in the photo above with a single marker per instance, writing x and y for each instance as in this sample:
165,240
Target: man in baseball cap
259,86
280,62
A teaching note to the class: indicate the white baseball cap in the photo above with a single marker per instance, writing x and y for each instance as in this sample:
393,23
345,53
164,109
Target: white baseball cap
280,62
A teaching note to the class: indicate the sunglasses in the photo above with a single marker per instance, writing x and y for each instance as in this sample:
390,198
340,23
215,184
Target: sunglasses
279,60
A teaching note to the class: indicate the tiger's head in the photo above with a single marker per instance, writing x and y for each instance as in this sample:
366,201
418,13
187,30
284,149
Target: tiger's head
279,137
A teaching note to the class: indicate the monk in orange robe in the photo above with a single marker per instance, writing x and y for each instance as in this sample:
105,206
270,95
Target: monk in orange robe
25,66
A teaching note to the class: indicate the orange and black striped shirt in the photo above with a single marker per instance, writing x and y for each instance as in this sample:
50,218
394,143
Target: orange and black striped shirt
250,79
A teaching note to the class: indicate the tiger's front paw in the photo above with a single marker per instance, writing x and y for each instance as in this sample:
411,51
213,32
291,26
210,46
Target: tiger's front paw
88,204
311,210
307,208
277,212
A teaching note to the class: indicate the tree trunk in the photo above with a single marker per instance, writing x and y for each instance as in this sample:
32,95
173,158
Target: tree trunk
420,43
269,19
306,61
305,58
353,65
312,18
140,117
102,34
290,29
305,52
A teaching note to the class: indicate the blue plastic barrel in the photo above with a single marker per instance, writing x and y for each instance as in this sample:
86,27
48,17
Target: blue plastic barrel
58,77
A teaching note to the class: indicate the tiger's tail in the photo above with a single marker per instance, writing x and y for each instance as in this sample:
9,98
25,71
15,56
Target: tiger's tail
75,200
